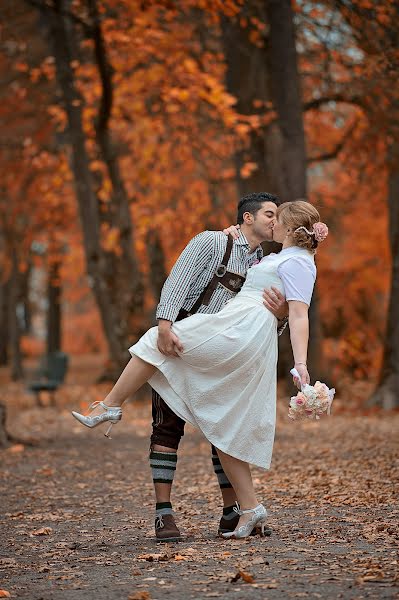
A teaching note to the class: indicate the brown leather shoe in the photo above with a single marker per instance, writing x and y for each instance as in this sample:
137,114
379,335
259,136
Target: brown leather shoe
166,529
227,525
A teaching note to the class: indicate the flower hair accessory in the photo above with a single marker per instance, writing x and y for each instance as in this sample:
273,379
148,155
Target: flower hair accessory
319,231
311,402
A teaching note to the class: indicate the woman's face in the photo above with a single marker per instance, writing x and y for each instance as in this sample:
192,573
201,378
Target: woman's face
279,231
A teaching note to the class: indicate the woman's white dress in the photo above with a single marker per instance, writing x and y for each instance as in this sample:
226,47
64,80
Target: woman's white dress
224,381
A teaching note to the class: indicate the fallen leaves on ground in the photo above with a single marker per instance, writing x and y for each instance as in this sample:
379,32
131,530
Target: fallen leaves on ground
16,448
140,596
330,497
42,531
247,577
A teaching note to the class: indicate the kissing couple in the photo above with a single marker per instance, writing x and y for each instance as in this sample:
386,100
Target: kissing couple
212,359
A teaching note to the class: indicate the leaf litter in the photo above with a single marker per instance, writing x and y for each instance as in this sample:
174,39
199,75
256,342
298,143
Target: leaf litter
330,495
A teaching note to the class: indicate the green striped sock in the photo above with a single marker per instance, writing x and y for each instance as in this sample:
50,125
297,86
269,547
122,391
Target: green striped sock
220,474
163,508
163,466
229,512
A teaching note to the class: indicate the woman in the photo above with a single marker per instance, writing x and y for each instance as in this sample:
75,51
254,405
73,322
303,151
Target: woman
224,380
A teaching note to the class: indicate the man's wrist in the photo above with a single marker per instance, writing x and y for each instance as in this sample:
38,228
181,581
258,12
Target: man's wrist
164,324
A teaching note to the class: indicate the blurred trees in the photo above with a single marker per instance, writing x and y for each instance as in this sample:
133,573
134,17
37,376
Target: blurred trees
115,278
162,114
375,28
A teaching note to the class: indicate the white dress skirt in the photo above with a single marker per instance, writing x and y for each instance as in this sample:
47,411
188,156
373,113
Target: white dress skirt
224,381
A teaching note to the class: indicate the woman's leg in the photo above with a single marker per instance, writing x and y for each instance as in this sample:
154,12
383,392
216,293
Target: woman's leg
240,477
133,376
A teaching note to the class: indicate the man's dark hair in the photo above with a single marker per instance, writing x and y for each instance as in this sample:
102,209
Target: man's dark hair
253,202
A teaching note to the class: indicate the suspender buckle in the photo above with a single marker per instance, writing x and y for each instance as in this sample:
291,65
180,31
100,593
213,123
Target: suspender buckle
221,271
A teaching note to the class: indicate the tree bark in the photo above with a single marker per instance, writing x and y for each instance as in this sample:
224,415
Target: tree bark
5,439
115,279
13,320
289,137
247,79
53,324
4,325
156,258
287,98
386,394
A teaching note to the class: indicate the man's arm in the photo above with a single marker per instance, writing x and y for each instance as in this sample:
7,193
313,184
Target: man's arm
168,342
275,301
188,267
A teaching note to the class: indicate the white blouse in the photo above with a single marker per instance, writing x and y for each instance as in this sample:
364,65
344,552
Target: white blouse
298,274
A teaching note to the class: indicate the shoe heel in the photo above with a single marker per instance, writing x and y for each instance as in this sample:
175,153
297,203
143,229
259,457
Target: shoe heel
262,528
109,429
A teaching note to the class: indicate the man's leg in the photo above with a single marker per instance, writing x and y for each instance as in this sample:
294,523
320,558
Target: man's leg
240,475
230,518
167,430
238,472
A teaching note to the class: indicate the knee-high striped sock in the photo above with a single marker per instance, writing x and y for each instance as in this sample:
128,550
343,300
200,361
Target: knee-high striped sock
163,467
220,474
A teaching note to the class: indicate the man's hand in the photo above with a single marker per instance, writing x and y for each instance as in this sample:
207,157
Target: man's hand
275,301
303,372
168,342
234,230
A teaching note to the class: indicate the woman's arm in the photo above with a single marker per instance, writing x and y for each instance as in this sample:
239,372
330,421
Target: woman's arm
299,333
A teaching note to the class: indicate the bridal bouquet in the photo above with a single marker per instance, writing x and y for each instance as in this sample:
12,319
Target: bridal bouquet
311,402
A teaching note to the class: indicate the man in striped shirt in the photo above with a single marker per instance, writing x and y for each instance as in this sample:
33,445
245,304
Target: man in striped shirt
191,274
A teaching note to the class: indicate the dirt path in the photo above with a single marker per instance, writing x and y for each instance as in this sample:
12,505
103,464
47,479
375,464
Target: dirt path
77,516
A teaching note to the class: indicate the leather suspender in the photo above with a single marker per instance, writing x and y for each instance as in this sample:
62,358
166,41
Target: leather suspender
232,281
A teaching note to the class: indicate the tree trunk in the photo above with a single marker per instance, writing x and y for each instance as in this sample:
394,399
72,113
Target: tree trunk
5,439
247,79
288,135
24,298
287,99
53,325
115,279
156,258
4,325
387,393
13,320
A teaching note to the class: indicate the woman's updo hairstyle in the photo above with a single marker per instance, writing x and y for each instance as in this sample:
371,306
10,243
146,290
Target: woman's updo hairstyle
300,214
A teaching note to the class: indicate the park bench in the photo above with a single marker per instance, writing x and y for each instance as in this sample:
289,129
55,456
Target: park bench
50,375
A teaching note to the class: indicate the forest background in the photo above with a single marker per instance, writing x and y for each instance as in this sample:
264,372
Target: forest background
129,126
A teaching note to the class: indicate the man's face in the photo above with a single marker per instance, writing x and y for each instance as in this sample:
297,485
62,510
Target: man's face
264,220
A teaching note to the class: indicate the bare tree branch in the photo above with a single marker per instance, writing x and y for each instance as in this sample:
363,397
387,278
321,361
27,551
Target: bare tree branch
317,102
42,5
338,148
104,69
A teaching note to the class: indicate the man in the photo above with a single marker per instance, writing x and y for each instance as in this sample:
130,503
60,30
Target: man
208,273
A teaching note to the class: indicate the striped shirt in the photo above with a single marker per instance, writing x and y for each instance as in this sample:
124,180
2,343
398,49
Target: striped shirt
195,268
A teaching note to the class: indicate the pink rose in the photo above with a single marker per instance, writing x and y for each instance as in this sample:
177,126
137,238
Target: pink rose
321,390
300,399
320,231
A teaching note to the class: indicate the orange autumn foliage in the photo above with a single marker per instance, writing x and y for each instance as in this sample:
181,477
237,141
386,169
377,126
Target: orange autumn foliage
175,128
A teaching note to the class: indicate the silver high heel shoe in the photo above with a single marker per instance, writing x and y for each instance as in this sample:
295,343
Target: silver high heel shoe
113,414
244,531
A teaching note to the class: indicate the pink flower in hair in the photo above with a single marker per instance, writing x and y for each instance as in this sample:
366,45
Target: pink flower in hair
320,231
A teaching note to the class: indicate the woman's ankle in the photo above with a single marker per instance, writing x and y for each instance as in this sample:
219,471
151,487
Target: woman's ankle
249,504
110,402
